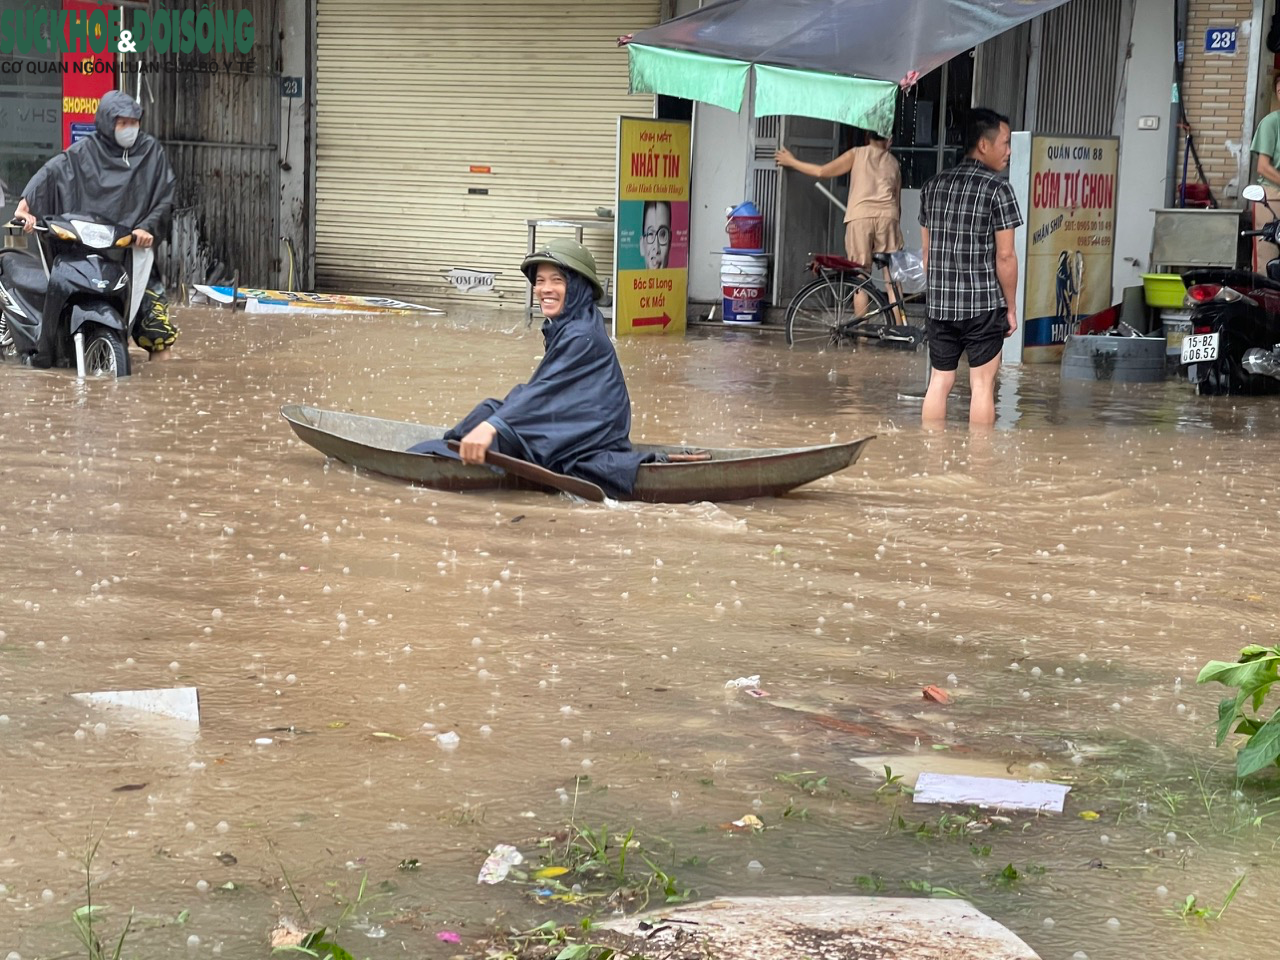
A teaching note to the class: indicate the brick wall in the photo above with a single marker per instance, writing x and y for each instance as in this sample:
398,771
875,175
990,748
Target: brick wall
1215,90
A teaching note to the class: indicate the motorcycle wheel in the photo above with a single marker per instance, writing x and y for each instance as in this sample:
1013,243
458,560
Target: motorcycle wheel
105,354
1216,382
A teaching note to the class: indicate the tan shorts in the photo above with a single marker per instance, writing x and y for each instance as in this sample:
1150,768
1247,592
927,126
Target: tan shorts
868,235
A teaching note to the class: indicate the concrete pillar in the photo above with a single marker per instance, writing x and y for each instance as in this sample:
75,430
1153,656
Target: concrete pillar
297,172
1144,153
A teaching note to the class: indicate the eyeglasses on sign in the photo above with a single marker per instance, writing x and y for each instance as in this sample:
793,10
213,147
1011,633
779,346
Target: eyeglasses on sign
660,235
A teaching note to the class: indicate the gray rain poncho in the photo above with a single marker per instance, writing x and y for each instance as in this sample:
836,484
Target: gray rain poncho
574,414
98,177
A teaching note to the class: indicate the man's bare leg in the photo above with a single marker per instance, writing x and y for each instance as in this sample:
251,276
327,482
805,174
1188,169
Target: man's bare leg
161,354
982,387
934,410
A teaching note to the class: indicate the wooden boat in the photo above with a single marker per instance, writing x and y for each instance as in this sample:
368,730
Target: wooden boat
381,446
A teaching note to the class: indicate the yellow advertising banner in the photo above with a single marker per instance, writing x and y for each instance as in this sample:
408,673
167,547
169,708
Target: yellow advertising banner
1071,223
651,245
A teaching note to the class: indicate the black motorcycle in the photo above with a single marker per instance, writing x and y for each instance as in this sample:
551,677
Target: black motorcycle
68,304
1234,344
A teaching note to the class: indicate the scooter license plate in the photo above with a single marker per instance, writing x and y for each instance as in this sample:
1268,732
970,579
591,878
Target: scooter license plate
1199,347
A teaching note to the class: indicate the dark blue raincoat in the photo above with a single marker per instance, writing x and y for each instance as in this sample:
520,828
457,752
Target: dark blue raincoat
574,414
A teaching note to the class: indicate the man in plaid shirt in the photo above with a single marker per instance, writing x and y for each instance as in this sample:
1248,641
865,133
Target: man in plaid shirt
967,218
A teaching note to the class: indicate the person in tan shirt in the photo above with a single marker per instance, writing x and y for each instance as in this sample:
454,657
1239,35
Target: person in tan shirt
872,218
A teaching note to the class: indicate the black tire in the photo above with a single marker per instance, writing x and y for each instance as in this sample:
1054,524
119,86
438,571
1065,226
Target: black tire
105,354
822,312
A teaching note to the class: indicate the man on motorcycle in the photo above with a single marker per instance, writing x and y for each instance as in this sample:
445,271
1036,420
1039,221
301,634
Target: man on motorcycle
120,175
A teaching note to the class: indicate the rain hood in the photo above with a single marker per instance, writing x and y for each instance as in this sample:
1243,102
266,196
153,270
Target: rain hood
96,176
840,60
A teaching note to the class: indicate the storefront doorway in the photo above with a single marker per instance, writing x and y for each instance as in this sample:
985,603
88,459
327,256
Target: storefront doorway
928,136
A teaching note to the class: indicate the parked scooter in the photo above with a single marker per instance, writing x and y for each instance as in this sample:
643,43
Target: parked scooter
70,303
1234,344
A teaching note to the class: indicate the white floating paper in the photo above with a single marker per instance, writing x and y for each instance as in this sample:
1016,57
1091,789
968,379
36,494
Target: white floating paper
178,703
989,792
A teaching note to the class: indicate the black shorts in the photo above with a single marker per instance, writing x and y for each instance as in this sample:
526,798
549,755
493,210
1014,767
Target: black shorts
980,338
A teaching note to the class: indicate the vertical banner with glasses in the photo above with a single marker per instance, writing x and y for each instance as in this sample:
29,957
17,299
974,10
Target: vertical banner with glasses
1067,188
651,244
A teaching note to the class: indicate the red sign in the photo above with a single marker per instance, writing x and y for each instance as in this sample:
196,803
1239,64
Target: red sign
661,321
89,75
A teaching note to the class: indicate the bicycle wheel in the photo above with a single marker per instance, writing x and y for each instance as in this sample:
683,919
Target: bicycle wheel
823,312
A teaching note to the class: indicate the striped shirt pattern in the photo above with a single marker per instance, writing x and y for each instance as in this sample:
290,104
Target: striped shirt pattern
963,208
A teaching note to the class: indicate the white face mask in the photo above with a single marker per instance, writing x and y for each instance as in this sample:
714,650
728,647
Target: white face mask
127,136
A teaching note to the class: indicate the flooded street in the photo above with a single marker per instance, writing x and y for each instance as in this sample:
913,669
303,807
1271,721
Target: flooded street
1063,577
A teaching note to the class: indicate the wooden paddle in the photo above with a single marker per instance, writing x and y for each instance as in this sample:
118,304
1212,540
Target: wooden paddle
540,475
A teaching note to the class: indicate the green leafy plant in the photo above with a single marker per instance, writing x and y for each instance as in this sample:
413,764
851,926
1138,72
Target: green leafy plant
893,783
792,812
871,883
593,863
1252,675
315,945
806,780
1190,909
83,917
949,826
1006,877
321,943
545,938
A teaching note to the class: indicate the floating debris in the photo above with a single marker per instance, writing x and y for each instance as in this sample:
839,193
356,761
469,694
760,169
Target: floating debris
177,703
989,792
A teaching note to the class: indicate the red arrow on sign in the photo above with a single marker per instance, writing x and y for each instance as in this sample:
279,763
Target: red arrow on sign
661,321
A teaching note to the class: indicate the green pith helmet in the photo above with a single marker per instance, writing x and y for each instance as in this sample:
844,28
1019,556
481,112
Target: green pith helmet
567,255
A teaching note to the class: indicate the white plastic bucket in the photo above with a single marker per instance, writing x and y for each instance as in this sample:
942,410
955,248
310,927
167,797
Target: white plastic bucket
743,265
743,282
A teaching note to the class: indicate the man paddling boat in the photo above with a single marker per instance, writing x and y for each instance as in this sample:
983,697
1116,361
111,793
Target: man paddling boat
574,414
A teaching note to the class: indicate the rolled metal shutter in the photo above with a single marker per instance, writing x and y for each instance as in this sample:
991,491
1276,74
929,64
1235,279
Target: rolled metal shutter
442,126
1080,59
1000,74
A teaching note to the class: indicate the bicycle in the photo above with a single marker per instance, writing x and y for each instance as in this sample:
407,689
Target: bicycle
825,310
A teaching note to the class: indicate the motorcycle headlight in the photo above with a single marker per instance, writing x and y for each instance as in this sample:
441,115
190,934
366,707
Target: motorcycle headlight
97,235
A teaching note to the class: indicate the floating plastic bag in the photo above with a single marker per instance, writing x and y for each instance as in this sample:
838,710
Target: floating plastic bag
499,863
907,268
743,683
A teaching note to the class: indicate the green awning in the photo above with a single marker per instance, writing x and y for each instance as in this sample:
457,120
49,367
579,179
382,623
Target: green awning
778,90
693,76
838,60
859,102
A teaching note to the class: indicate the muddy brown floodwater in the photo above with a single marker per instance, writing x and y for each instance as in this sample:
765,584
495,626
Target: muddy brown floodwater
1063,578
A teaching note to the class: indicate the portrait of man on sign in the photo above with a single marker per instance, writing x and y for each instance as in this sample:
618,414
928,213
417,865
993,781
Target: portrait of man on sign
655,239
